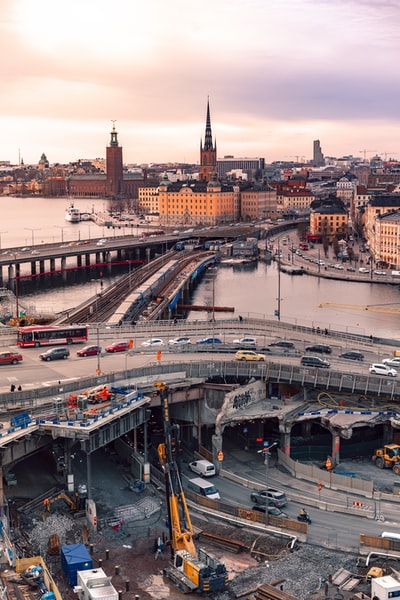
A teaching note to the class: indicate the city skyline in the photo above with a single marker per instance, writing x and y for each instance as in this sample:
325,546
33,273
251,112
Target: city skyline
279,74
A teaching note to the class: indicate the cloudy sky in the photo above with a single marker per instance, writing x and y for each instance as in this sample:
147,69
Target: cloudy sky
279,74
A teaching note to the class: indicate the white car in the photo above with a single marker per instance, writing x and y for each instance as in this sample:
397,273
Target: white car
180,341
392,362
382,369
246,342
153,342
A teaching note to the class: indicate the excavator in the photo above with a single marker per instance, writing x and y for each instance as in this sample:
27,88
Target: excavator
73,502
190,569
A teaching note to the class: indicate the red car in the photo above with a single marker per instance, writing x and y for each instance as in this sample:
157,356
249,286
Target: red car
89,351
118,347
10,358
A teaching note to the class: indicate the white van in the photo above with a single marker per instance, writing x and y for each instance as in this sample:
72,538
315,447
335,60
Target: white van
203,467
203,488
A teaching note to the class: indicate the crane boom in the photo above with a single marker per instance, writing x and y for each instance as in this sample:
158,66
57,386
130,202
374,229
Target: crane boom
190,570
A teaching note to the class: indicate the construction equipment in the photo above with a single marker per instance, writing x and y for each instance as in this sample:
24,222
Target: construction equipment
388,457
73,502
190,569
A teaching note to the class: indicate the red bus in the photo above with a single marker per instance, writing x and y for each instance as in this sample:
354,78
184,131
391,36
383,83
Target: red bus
314,238
49,335
303,245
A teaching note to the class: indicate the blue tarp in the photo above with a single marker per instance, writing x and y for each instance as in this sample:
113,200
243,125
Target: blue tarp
174,302
74,558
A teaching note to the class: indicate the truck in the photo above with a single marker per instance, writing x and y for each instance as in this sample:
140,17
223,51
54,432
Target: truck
22,420
190,569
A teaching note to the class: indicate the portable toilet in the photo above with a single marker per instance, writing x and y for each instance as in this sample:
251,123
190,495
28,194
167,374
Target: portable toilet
74,558
383,588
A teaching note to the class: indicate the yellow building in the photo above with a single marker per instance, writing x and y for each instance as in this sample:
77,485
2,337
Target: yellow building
196,203
330,220
384,244
258,202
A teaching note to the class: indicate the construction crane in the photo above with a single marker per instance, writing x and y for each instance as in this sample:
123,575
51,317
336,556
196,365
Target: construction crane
365,151
190,569
379,308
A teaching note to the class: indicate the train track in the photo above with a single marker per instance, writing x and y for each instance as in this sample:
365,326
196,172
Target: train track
102,306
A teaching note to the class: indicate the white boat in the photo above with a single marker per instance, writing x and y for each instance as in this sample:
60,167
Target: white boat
72,214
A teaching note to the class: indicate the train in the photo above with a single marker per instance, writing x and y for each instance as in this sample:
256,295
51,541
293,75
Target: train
136,301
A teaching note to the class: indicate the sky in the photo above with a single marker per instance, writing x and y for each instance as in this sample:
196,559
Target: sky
278,74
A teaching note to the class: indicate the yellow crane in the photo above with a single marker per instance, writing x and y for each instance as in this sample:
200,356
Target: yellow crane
378,308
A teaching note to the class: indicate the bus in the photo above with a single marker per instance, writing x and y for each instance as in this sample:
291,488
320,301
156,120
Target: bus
34,336
303,245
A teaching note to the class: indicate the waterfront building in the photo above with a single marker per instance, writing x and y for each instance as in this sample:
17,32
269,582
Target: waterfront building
378,205
329,219
258,202
384,246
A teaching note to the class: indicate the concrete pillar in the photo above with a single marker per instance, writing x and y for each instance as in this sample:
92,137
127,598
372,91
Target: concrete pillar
63,267
41,266
89,475
286,443
79,260
336,447
87,259
52,264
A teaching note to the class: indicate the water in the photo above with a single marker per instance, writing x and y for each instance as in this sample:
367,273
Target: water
251,291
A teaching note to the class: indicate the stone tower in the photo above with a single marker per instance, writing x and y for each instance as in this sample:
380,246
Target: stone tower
114,168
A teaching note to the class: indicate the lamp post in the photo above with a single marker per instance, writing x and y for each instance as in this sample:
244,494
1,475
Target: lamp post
33,231
0,236
266,452
62,232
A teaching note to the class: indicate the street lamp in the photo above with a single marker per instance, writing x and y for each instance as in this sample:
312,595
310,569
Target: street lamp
33,231
266,452
62,232
0,236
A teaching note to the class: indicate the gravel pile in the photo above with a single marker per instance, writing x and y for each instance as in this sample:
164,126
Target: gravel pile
67,529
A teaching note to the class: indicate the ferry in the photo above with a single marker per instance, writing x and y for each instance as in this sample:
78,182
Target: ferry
72,214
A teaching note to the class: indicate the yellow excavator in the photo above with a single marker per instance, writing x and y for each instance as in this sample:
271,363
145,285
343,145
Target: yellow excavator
388,457
190,569
73,502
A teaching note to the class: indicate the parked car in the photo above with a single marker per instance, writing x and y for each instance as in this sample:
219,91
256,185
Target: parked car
209,340
275,497
249,355
320,348
352,355
152,342
10,358
382,369
89,351
180,341
379,272
117,347
314,361
281,344
55,354
363,270
392,362
246,342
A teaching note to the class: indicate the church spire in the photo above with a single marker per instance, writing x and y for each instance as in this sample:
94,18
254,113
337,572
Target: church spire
114,134
208,152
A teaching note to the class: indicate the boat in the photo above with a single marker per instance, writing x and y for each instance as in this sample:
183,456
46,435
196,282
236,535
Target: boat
72,214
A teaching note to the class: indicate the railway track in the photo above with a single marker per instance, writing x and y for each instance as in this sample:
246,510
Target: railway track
102,306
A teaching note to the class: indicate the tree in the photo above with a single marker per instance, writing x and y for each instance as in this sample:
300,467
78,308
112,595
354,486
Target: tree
325,245
335,245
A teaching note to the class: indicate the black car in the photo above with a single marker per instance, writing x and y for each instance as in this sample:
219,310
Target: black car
320,348
314,361
55,354
352,355
282,344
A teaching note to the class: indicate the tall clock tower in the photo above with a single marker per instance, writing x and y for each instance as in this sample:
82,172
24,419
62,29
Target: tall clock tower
208,152
114,167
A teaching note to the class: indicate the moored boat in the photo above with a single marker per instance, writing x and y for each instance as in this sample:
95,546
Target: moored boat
72,214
